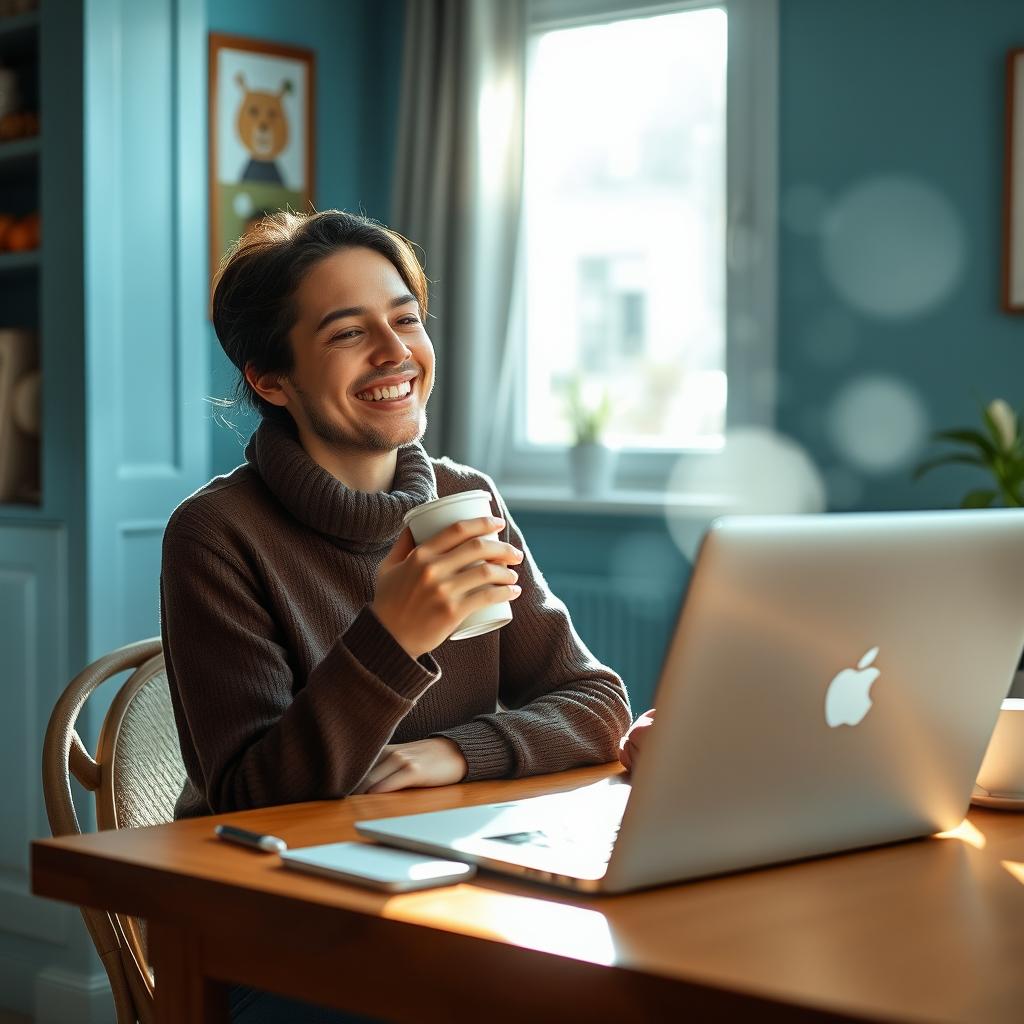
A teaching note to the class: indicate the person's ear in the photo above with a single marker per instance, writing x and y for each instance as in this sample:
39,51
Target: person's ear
269,386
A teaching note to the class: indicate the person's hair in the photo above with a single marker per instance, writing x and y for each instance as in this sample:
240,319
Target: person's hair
254,304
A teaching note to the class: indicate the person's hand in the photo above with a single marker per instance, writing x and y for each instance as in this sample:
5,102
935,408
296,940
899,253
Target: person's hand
630,744
434,762
423,592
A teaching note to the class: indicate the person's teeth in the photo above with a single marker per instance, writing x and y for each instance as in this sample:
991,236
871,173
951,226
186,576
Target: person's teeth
392,392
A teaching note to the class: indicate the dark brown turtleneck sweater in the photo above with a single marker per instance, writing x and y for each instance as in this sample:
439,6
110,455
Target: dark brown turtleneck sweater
286,686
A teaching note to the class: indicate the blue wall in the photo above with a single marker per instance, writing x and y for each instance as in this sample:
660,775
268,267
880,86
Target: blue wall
913,88
868,89
358,46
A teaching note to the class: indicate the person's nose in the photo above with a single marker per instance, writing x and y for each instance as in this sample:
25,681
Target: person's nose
389,346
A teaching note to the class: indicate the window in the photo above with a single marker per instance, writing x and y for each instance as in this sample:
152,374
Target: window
649,175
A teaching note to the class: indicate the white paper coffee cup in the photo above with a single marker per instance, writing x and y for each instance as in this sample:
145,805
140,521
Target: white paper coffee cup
1002,769
429,519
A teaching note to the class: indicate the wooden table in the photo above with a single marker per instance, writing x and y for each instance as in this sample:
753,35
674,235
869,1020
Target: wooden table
931,930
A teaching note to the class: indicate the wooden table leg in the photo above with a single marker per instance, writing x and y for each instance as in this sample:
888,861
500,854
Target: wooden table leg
182,992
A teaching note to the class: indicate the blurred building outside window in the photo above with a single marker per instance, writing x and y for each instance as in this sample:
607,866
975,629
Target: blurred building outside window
627,240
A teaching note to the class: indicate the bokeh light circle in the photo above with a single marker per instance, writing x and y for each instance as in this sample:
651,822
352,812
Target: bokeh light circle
878,423
893,247
757,471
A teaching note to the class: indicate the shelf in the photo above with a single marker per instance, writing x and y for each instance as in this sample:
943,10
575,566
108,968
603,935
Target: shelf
19,159
16,151
20,262
13,513
21,508
17,32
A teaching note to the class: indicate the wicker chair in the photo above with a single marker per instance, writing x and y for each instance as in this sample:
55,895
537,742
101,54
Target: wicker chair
135,777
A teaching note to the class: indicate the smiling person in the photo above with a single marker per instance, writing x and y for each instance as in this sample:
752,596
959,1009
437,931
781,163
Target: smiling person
304,632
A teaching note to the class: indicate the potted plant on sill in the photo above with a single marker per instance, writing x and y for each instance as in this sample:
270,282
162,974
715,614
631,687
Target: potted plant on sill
591,461
998,450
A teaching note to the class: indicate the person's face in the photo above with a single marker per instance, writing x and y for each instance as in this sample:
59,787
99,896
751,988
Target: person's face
358,327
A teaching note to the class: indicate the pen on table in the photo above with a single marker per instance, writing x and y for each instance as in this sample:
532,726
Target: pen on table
268,844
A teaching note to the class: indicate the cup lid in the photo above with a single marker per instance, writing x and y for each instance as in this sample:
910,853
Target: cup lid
438,502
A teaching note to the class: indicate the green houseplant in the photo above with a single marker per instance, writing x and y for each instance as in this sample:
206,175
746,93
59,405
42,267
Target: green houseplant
998,449
591,461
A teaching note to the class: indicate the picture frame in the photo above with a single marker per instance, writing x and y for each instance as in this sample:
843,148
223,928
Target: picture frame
261,137
1013,204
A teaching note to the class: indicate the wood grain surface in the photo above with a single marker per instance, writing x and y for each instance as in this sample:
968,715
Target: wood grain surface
928,930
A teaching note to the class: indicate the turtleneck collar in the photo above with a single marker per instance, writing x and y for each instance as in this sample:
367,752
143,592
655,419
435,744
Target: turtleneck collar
358,521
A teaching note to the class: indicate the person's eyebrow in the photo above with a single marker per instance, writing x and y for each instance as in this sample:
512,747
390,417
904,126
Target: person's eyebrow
340,314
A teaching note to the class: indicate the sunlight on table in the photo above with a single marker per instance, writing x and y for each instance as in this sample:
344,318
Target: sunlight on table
1016,868
967,833
543,925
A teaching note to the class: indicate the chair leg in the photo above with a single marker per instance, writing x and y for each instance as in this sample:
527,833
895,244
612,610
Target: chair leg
102,934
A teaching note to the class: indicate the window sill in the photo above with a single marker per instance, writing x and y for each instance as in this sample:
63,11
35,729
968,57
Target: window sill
531,497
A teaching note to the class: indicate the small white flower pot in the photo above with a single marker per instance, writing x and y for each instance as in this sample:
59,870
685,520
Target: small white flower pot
592,466
1017,689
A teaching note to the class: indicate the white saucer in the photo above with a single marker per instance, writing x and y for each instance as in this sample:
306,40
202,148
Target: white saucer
1003,803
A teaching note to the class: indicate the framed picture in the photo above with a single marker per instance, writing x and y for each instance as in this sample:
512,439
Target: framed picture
1013,206
261,135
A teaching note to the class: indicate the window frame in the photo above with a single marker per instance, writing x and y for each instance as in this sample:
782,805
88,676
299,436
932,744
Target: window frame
751,249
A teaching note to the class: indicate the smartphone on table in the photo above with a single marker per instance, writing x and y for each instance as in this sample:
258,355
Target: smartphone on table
378,867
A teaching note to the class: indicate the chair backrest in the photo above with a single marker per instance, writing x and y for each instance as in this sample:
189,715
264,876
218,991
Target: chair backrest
135,777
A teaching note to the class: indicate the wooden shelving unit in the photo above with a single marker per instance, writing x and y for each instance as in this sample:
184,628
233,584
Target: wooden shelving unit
18,32
20,262
20,271
19,156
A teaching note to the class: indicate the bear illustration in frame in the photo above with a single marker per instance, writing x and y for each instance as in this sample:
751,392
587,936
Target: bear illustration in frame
262,146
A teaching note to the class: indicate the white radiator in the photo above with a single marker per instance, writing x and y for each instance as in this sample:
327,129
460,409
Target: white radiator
625,623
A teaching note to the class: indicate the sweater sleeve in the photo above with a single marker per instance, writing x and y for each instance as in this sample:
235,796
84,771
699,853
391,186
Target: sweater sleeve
256,742
565,709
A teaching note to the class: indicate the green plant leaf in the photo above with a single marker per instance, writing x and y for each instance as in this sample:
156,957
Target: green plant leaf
588,422
993,430
1014,467
967,436
978,499
993,424
945,460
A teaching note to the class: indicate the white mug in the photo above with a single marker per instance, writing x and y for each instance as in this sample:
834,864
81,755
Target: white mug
1002,769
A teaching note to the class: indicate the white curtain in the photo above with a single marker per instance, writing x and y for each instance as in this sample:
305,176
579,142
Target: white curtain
457,194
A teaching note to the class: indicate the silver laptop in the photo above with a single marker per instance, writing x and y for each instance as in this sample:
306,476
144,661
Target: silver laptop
832,683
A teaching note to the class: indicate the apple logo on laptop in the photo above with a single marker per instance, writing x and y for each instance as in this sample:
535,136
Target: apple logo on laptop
847,700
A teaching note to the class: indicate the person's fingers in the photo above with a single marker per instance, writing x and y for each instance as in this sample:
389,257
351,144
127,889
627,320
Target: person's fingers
402,546
458,533
474,551
489,573
626,753
629,745
484,597
385,750
405,777
387,764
